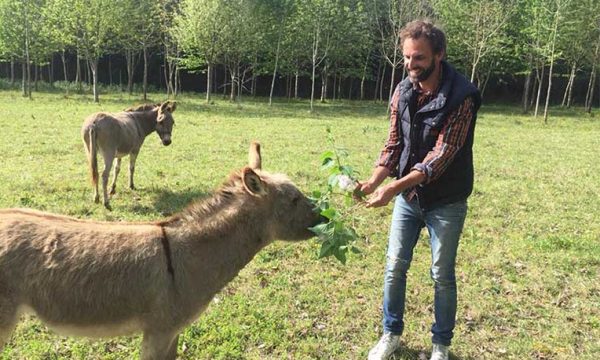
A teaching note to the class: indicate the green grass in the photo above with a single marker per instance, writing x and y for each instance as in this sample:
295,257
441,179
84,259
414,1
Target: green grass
529,259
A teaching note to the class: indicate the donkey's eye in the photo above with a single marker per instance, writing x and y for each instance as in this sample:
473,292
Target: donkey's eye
295,200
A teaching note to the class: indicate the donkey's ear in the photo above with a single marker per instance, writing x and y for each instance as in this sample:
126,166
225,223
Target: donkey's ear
168,105
252,182
254,159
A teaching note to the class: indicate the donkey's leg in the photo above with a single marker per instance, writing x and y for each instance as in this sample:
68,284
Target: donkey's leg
159,346
113,187
108,160
132,158
8,320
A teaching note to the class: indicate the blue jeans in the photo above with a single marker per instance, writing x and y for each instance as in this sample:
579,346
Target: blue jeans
445,224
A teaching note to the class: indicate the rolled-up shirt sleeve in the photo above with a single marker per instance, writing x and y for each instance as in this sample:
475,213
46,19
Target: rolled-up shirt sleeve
390,154
450,140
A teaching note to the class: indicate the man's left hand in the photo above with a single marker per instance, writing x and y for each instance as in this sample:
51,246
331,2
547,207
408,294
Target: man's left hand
381,197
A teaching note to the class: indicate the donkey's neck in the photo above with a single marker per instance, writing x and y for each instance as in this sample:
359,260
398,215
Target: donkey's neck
145,121
210,248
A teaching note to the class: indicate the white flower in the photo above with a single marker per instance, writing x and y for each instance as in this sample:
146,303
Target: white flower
346,183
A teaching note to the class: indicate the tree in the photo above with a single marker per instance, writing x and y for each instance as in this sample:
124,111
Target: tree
197,30
93,28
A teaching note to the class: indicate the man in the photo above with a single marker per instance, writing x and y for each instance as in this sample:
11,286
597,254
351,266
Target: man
429,153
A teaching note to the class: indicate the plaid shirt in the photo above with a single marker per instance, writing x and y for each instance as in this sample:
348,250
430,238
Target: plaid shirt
449,141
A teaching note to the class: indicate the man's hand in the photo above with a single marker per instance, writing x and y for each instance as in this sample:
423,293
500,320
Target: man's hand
381,197
361,190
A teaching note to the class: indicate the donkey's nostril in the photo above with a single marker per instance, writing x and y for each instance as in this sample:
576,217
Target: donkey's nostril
167,142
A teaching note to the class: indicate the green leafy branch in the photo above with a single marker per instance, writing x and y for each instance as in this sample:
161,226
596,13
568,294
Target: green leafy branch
337,236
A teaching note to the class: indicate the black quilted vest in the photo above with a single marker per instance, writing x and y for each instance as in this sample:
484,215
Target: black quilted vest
420,133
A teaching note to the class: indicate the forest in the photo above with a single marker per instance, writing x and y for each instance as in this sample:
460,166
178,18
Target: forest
535,52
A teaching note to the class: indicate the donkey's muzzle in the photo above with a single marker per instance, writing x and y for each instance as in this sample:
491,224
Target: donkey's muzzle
166,140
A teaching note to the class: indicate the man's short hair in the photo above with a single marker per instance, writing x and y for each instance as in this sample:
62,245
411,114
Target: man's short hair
423,28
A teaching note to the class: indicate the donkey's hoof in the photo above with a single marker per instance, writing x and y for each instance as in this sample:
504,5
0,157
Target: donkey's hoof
107,206
113,191
96,199
132,187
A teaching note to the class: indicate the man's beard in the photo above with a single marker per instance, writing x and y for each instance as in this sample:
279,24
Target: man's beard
424,74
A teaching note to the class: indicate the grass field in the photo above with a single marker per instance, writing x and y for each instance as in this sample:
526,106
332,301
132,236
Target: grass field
529,260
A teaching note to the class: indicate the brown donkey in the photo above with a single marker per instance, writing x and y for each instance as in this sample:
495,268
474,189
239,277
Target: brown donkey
122,134
94,278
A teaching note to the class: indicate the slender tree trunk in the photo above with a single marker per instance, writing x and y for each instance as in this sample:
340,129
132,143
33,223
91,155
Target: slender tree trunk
391,92
324,80
550,71
110,80
275,70
377,80
209,76
350,80
93,65
566,92
539,92
570,97
526,89
233,73
363,77
297,78
12,72
24,80
64,63
130,61
225,82
145,80
382,81
36,71
590,91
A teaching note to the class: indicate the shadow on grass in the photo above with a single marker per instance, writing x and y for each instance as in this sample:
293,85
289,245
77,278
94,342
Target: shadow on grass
167,202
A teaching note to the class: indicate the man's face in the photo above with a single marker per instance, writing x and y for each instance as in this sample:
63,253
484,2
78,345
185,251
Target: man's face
419,59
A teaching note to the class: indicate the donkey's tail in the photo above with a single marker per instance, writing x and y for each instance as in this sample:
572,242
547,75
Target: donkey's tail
93,155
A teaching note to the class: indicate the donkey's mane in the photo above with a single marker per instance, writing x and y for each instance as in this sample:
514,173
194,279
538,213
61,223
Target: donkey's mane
141,107
205,208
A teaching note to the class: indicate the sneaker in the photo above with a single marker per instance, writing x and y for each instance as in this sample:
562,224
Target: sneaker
385,347
439,352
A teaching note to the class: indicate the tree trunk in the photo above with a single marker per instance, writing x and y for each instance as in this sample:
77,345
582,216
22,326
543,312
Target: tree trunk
64,63
570,97
363,77
110,82
569,85
391,92
590,91
297,77
225,82
145,80
550,71
274,70
324,80
233,74
12,72
130,61
377,81
36,71
93,65
382,81
78,73
209,76
526,88
539,91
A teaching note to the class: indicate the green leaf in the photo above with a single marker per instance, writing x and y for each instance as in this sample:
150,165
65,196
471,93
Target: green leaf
327,155
326,249
340,255
347,170
321,229
332,180
329,213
